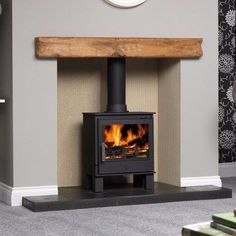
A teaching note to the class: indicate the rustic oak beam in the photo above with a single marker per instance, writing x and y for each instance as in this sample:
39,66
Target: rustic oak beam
76,47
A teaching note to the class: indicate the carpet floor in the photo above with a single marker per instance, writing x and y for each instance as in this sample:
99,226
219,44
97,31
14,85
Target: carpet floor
163,219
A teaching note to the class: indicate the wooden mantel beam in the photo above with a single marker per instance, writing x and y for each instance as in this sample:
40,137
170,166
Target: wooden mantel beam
76,47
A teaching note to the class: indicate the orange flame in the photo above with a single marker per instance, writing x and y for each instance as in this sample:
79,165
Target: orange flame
113,135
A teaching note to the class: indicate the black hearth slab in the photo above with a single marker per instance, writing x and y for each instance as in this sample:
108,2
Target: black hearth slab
79,198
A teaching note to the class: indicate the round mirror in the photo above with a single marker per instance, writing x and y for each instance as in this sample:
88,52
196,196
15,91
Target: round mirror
125,3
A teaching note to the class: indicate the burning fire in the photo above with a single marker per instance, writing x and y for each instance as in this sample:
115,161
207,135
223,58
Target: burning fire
116,135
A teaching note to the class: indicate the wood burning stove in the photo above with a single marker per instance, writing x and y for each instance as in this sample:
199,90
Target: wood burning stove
117,142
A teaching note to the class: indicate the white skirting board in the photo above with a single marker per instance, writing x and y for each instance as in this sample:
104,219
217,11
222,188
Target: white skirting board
227,169
13,195
201,181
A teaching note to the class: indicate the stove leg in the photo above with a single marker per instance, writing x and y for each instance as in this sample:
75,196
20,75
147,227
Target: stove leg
98,184
149,182
88,182
146,181
138,181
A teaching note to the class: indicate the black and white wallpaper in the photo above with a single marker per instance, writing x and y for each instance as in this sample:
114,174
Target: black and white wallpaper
227,76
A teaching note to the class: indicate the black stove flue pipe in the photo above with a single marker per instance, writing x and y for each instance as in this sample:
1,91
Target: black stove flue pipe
116,85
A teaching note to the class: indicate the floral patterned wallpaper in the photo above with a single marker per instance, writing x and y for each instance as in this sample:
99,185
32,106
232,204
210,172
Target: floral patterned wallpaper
227,76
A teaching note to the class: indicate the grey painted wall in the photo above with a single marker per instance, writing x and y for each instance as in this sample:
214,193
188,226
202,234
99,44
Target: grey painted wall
6,142
35,81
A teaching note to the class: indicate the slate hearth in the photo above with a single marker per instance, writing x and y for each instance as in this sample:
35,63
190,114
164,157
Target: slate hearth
79,198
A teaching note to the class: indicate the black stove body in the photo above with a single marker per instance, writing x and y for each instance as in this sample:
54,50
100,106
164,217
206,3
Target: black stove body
117,142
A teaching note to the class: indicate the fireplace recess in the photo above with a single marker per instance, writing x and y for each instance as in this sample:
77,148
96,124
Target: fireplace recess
117,142
116,115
